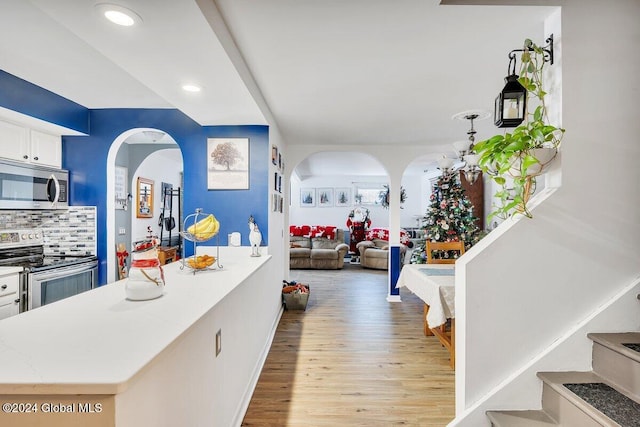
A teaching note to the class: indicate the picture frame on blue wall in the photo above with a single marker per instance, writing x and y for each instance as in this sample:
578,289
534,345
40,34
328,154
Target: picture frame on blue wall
307,197
228,163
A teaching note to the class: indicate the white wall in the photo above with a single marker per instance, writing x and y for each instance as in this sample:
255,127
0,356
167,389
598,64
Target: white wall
337,216
528,284
278,238
161,166
417,190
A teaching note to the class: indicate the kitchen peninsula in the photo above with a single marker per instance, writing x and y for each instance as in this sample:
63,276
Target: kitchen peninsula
190,357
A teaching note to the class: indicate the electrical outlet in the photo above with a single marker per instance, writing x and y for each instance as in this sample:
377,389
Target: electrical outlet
122,231
218,342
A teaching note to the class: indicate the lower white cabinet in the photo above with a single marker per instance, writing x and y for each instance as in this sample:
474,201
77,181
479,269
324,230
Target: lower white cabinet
11,308
9,296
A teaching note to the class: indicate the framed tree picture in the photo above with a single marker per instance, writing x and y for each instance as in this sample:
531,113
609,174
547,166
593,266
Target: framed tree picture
325,197
307,197
343,196
228,163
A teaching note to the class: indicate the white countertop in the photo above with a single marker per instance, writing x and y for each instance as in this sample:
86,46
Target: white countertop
10,270
95,342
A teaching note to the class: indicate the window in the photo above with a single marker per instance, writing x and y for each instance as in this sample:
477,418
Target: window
368,193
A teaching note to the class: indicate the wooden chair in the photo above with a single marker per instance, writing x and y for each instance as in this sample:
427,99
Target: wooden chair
447,338
443,246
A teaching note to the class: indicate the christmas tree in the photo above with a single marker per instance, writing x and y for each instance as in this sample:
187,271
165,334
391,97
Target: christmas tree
449,218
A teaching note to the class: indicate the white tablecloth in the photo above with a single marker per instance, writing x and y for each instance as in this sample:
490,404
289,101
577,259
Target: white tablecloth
434,288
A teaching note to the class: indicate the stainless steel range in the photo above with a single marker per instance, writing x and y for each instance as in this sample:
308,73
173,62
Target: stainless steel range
45,279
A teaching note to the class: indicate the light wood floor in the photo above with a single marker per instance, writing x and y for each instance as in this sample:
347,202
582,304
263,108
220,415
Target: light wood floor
353,359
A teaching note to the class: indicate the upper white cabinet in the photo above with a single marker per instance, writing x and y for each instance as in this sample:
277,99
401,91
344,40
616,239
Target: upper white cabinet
46,149
28,145
14,141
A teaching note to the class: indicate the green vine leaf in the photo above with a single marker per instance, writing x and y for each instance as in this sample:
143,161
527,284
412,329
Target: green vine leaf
537,115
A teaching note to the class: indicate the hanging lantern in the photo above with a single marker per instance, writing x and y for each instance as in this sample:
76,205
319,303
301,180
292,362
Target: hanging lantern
511,103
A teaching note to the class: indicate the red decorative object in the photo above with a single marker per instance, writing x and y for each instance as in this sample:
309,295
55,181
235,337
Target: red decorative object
383,234
327,231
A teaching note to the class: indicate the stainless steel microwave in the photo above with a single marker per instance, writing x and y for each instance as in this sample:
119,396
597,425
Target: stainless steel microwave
25,186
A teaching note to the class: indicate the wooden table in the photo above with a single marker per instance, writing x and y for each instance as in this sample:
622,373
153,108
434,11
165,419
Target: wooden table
435,285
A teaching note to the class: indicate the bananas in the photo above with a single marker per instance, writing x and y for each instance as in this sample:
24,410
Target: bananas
201,261
205,228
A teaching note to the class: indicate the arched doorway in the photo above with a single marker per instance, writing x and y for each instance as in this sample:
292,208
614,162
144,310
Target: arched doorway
142,152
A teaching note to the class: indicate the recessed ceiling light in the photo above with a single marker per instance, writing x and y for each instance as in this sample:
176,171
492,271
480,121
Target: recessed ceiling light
119,15
191,88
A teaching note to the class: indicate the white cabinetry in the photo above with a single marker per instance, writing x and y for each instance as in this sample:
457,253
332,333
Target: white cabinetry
9,297
28,145
46,149
14,141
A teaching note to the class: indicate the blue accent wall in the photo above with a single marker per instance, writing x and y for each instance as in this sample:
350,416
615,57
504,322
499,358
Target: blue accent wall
85,157
232,207
26,98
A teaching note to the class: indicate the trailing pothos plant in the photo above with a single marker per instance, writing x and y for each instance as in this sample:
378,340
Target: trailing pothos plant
522,153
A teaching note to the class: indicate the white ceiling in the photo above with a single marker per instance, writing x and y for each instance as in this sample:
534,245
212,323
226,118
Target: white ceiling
324,72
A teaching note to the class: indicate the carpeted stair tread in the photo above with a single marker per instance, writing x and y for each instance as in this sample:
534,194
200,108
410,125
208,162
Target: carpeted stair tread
625,343
632,346
557,381
521,419
609,401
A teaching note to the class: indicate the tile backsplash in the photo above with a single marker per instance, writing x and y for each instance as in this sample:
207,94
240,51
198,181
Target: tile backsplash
66,232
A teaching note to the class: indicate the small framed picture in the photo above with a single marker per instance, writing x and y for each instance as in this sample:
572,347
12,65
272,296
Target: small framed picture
325,197
343,197
307,197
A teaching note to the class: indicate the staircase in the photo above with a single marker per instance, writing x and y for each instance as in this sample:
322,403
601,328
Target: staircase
609,395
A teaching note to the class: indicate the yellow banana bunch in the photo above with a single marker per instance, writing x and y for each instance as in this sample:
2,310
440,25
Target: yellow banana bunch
205,228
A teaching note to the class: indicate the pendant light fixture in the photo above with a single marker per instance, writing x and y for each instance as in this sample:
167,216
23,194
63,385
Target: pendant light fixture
464,148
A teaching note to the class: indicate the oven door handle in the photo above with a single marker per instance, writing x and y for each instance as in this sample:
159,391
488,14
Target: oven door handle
63,272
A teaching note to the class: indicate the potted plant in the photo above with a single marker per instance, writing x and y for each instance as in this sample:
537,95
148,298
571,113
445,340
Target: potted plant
524,153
